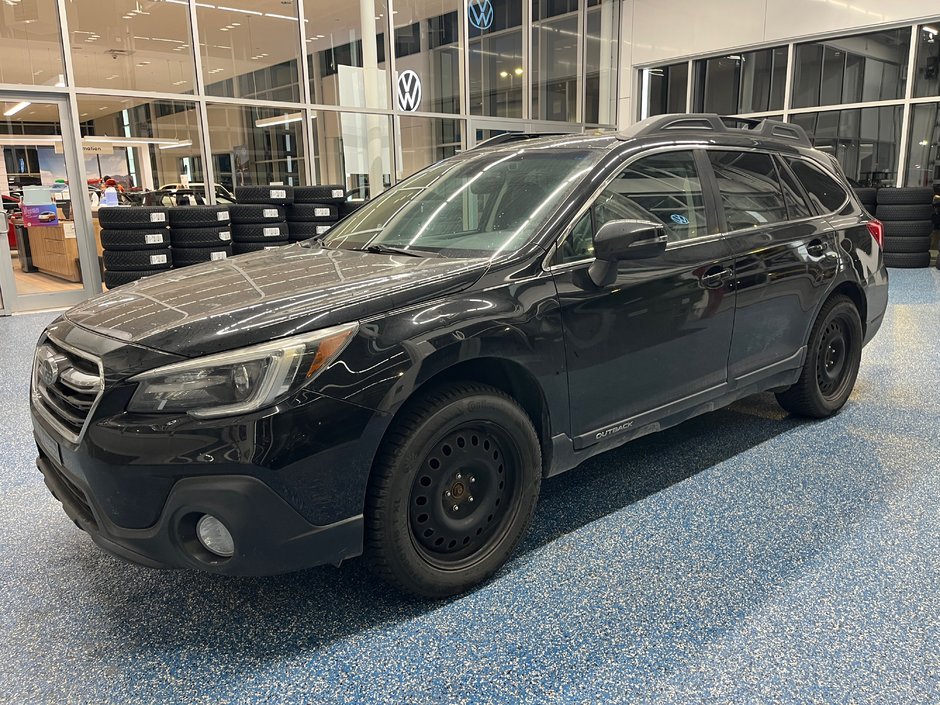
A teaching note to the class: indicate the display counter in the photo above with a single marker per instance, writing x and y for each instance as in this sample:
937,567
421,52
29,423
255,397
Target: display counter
54,250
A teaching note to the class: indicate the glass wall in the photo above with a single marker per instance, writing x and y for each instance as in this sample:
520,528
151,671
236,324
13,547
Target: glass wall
863,98
306,91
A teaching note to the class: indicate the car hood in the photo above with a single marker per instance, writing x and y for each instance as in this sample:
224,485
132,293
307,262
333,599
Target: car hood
267,295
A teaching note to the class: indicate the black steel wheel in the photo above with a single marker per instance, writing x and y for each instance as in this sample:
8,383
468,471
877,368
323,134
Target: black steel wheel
453,490
463,495
833,356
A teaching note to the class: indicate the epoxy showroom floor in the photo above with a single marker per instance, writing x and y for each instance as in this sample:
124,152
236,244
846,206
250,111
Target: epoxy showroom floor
744,557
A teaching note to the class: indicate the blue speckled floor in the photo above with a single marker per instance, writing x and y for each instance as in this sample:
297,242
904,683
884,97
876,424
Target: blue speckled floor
744,557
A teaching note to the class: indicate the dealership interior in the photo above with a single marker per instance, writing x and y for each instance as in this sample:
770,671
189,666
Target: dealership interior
745,556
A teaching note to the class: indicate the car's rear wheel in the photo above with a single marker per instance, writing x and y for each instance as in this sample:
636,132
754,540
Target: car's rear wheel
453,490
833,356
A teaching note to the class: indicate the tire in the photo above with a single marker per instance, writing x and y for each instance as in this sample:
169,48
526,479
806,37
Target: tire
908,228
131,217
412,538
186,256
907,260
201,237
140,261
256,213
267,232
867,196
909,195
895,245
325,193
312,213
282,195
304,231
198,216
113,279
906,212
153,239
832,361
242,248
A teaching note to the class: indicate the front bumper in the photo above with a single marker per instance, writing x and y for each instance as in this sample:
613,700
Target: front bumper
270,535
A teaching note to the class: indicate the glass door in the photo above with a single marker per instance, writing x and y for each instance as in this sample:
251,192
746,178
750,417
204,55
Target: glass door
48,256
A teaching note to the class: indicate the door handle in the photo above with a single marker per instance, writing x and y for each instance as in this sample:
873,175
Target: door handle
714,278
817,248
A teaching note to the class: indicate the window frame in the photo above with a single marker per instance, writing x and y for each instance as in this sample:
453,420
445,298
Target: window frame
709,194
827,172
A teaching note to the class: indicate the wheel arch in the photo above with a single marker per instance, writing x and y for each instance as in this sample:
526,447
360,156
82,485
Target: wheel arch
854,292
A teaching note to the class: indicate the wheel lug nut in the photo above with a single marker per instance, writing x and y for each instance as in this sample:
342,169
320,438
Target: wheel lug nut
472,479
459,475
470,499
456,507
447,494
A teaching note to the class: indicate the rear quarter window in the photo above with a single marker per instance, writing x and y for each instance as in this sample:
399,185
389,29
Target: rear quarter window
826,194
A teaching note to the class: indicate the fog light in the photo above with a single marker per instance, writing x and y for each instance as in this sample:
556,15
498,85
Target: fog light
214,537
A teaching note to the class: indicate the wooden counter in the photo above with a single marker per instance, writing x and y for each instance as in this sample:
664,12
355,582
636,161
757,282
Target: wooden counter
54,249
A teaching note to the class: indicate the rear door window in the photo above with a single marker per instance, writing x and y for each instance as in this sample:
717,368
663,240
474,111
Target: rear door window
750,192
826,194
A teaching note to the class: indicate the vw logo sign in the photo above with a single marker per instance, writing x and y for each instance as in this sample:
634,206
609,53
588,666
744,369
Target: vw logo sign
480,13
409,91
679,219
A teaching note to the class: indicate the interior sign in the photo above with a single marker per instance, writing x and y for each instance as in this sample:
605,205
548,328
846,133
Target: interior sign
409,91
480,13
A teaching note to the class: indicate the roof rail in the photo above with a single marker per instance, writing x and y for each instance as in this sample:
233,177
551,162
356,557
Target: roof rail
710,122
508,137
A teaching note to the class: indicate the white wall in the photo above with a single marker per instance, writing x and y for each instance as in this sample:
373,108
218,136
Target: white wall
660,31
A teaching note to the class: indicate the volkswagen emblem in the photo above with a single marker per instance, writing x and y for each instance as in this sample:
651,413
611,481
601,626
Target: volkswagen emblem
480,13
409,91
48,365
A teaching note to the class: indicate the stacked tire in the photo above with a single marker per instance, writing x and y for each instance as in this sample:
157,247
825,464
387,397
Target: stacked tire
315,210
907,215
259,218
135,241
200,234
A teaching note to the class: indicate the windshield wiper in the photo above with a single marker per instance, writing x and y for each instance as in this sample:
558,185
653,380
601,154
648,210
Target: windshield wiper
379,249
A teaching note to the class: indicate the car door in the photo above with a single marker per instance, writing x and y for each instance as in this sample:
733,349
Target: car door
658,337
785,258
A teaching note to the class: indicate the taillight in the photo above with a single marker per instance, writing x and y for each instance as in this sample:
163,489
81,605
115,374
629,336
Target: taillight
877,230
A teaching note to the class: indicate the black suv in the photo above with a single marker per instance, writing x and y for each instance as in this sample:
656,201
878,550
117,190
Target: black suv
401,387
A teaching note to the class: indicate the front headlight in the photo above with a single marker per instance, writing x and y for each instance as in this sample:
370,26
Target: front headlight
242,380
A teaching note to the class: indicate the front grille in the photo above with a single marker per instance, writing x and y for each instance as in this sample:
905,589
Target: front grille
68,389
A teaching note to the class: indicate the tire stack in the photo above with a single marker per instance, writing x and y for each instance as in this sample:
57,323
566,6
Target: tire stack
868,197
135,241
261,212
315,210
907,215
199,234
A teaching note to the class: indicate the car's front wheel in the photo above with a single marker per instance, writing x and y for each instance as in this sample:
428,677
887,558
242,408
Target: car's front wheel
832,361
453,490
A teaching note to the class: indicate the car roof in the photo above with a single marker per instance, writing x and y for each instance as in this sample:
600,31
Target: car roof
692,127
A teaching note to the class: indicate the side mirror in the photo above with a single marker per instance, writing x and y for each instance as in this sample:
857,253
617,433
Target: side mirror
624,240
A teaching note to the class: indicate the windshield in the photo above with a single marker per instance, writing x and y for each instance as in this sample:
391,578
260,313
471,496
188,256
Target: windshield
469,207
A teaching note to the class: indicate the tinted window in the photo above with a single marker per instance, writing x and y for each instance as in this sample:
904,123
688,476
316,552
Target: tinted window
796,203
750,192
824,191
663,188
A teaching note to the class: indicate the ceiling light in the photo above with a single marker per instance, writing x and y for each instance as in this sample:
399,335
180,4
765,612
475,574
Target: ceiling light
17,108
504,73
184,143
179,83
245,12
279,120
518,72
929,29
280,17
923,143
